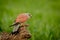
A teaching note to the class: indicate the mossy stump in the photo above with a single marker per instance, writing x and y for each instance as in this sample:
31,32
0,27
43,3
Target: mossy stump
23,34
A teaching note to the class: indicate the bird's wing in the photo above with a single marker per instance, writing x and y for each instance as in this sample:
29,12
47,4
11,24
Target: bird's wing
16,28
14,24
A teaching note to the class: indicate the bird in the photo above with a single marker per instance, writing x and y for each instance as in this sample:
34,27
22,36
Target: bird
21,18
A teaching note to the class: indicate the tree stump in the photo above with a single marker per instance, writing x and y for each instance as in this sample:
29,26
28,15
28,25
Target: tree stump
23,34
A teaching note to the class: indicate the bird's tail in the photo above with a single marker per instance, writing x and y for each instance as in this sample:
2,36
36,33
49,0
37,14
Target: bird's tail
14,24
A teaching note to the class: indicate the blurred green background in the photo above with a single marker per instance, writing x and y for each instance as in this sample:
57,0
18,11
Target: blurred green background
45,21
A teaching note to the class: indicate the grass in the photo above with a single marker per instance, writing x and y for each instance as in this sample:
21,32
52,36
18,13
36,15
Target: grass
45,21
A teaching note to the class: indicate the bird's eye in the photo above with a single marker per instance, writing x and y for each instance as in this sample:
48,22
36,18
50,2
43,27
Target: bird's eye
29,14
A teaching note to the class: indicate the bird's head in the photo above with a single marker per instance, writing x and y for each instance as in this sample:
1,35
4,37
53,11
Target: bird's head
28,14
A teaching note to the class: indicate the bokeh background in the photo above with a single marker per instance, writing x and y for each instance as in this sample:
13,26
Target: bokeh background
45,21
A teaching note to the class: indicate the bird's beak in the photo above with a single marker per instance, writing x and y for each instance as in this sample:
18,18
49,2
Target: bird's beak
29,14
